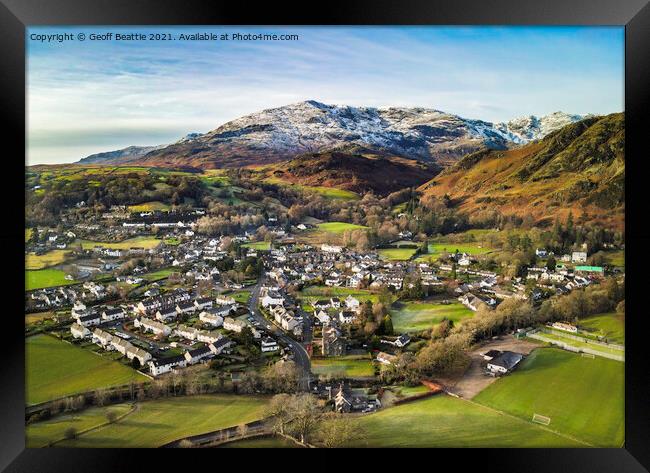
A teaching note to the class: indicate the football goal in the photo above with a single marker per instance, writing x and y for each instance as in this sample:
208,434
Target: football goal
540,419
588,355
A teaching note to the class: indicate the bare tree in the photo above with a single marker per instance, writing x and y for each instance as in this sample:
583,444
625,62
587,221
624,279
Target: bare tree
338,430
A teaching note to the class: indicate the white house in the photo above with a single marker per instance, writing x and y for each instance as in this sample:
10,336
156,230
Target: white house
272,298
164,365
210,318
323,317
166,314
352,303
114,313
347,317
233,325
579,257
207,336
152,326
269,345
184,331
102,338
79,331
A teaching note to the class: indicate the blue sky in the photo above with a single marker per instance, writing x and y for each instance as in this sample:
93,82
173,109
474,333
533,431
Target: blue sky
93,96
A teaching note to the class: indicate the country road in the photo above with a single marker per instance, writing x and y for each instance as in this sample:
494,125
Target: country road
301,357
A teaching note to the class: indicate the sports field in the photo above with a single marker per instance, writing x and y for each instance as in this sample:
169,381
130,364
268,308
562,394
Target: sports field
417,316
344,366
563,338
609,325
155,423
137,242
584,397
45,278
396,254
55,369
444,421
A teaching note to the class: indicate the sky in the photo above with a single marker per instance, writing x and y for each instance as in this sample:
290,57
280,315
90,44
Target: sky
90,96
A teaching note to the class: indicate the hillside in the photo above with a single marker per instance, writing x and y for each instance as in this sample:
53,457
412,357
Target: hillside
283,133
579,168
352,172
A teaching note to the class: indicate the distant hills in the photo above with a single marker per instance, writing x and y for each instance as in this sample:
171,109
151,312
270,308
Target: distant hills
352,172
283,133
579,168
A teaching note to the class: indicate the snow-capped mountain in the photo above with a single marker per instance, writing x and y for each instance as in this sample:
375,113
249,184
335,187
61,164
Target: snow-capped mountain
282,133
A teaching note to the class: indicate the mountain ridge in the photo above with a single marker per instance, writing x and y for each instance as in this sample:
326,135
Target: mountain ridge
283,133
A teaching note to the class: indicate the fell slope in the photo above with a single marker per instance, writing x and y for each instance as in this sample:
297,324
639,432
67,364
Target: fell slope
579,168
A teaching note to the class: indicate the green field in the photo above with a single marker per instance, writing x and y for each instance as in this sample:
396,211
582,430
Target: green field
149,206
314,293
45,278
444,421
615,258
560,337
268,441
137,242
159,274
417,316
437,249
241,296
610,325
158,422
55,369
396,254
584,397
258,245
343,366
28,234
52,430
338,227
51,258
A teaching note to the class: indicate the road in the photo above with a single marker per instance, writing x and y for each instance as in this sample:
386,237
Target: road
301,357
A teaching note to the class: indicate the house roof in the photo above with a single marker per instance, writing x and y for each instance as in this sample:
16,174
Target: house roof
507,360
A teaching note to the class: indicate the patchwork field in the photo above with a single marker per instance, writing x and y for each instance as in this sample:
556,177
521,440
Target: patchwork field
41,278
417,316
137,242
51,258
444,421
396,254
158,422
344,366
55,369
584,397
610,325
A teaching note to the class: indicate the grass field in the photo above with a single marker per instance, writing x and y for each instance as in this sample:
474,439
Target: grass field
268,441
338,227
149,206
52,430
258,245
417,316
436,249
344,366
610,325
51,258
616,258
28,234
241,296
137,242
328,192
584,397
314,293
558,336
396,254
158,422
55,369
444,421
45,278
159,274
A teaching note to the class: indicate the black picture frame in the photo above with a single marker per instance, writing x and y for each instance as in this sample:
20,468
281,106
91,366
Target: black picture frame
16,15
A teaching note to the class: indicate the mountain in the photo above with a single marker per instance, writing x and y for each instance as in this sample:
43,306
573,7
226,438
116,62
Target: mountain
120,155
352,172
283,133
579,168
